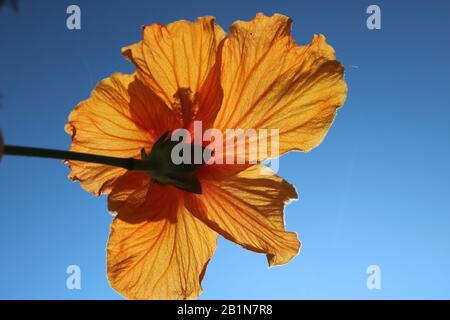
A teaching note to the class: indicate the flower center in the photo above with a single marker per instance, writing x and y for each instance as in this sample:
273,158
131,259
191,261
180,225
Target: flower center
165,172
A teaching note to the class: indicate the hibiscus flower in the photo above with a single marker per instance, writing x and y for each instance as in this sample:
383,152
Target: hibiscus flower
164,233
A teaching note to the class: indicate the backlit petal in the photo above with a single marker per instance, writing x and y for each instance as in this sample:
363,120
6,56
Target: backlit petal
120,118
178,62
247,208
270,82
133,195
162,255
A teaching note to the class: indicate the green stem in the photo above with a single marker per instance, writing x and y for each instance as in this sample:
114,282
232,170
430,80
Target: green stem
126,163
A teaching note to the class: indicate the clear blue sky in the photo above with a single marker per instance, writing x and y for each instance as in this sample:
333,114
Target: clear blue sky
375,192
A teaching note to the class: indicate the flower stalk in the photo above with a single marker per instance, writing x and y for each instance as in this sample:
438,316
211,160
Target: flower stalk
126,163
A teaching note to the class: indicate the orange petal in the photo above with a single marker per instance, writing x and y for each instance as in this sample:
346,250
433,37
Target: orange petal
120,118
159,256
178,62
248,209
270,82
133,195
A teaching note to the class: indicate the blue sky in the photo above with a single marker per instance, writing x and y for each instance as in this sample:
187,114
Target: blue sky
376,192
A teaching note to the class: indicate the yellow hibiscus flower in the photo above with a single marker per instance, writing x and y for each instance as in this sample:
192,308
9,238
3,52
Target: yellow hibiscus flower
163,237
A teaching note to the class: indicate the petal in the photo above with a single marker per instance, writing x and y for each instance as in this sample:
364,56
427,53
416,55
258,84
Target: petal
160,256
271,83
120,118
178,62
248,209
134,195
